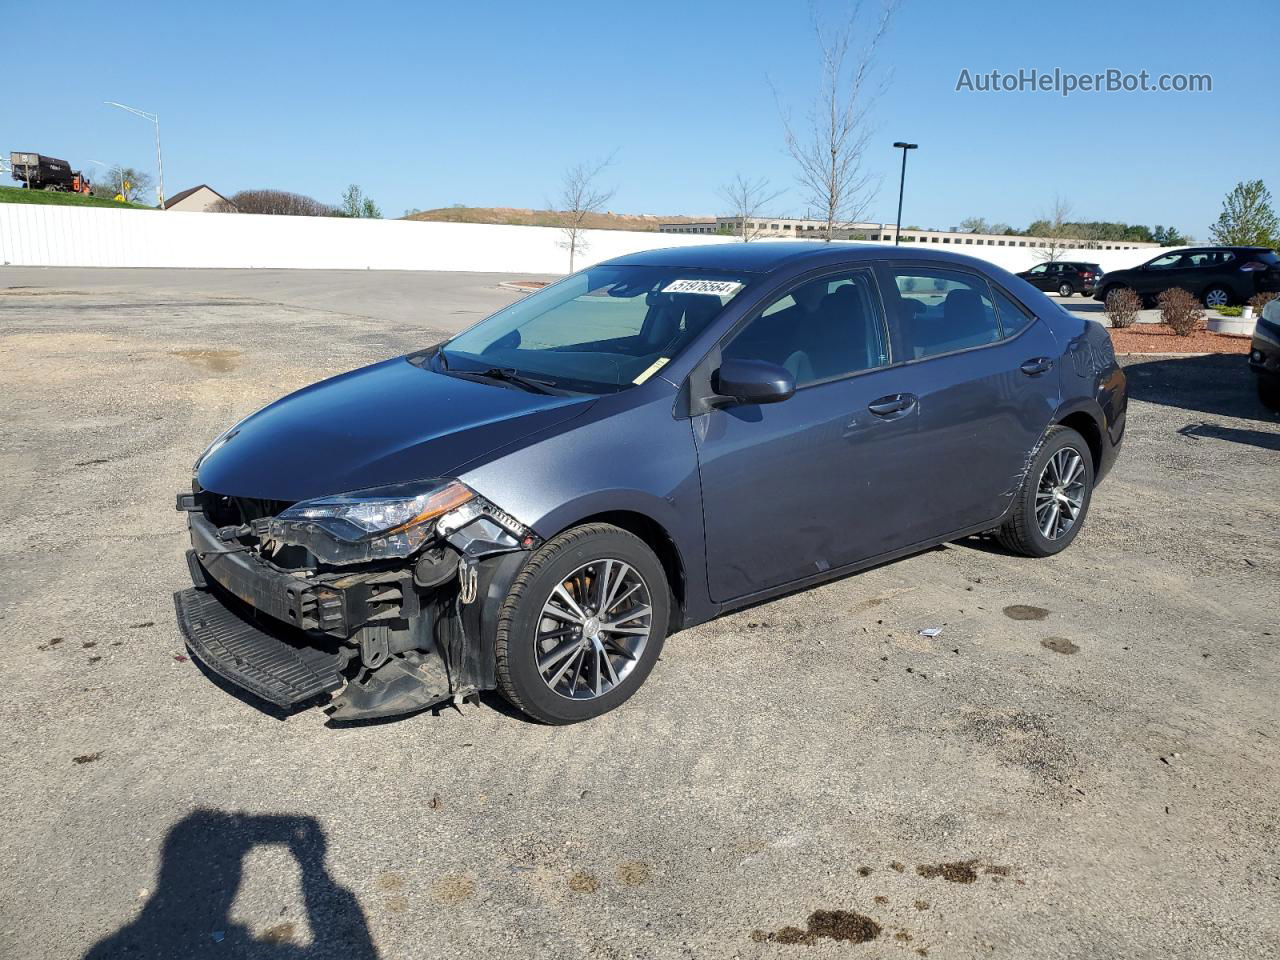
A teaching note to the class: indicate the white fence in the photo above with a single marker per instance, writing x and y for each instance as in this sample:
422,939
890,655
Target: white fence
64,236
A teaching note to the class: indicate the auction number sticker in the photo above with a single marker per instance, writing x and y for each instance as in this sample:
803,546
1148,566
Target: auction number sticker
651,370
715,288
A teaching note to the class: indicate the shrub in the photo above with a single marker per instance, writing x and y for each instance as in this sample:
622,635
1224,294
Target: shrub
1122,308
1259,302
1230,311
1180,311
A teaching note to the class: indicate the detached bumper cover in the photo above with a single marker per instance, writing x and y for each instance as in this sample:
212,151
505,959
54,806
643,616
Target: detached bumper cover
234,645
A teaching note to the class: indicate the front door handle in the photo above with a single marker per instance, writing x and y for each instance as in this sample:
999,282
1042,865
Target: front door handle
892,405
1036,366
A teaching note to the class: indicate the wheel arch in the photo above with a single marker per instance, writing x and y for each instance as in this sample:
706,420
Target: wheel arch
641,523
1233,295
1087,425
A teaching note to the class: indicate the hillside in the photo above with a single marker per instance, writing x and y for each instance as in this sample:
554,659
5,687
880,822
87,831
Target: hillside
547,218
21,195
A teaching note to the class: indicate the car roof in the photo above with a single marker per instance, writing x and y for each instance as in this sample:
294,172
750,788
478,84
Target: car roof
763,257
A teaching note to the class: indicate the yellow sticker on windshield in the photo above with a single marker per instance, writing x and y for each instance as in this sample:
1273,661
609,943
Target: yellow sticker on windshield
653,368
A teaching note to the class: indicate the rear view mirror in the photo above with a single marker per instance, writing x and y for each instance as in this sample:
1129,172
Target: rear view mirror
753,381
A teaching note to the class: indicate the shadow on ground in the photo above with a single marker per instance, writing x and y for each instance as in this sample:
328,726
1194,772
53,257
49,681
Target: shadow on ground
202,863
1221,385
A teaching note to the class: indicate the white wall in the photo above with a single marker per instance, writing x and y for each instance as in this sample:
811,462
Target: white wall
39,235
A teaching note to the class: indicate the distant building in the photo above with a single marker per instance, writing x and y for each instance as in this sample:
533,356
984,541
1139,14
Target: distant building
804,229
201,199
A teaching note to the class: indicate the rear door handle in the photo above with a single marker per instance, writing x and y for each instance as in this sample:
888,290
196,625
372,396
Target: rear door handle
1036,366
893,404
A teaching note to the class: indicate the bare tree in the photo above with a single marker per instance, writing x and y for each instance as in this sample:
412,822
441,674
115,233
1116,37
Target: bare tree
580,196
828,151
747,199
1056,231
280,202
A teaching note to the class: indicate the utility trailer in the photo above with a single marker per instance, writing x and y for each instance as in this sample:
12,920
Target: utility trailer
47,173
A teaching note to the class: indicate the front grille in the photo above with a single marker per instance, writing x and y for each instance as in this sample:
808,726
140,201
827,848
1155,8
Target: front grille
233,511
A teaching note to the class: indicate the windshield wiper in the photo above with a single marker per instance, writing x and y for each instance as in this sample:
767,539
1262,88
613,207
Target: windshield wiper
507,375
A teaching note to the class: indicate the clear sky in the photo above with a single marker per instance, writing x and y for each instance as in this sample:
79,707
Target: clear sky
485,103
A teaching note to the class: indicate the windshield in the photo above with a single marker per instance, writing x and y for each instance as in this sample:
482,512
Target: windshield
598,331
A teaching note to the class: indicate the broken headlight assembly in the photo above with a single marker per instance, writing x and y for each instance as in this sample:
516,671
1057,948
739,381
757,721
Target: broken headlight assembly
382,523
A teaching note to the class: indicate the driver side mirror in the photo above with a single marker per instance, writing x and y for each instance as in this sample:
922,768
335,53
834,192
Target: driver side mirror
753,381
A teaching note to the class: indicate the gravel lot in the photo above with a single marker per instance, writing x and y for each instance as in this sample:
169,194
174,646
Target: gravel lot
1083,764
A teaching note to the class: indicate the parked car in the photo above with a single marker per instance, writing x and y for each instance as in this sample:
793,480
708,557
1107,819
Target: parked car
1264,354
1219,276
1064,278
535,504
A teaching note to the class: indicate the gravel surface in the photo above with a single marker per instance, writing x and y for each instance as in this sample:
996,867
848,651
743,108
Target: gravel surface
1083,763
1150,339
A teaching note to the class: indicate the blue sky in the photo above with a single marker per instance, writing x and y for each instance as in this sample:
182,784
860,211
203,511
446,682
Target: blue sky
430,104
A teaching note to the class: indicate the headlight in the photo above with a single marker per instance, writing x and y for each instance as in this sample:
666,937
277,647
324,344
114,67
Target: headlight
377,524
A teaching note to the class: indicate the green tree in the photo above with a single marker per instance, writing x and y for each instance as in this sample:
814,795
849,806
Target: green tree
1247,218
357,206
127,182
1169,236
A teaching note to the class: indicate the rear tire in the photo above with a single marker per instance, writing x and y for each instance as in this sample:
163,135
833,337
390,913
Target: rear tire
566,660
1217,296
1056,489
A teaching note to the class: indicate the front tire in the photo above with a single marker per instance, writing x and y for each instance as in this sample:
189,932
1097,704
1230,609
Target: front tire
583,625
1064,290
1054,498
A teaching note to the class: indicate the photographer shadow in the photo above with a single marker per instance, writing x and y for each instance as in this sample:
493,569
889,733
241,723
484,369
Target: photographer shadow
202,864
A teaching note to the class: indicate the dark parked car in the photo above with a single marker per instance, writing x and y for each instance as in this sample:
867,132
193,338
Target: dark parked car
1264,354
1217,275
1064,279
535,504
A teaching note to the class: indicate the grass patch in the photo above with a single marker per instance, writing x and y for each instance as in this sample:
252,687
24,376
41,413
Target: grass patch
20,195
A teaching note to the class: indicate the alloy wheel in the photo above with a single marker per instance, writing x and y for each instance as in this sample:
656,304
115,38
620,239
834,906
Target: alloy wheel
1060,493
1217,297
593,629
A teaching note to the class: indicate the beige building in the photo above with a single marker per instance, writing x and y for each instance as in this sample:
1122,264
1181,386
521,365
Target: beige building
201,199
804,229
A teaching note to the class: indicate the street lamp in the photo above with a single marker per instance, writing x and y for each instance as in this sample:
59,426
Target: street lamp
904,147
156,120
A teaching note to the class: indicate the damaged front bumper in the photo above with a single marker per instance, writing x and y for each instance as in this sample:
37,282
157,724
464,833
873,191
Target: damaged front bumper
381,639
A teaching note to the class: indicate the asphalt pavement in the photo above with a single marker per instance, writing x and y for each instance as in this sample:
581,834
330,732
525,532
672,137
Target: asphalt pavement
1082,763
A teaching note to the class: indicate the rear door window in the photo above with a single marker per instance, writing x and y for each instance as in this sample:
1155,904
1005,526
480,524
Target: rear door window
940,311
1014,317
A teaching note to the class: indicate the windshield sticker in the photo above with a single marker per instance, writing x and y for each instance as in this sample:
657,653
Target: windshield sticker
653,368
716,288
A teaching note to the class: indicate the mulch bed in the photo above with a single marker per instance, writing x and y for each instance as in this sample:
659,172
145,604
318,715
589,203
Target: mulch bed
1148,338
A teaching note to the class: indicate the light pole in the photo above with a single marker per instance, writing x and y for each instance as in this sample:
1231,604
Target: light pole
904,147
156,120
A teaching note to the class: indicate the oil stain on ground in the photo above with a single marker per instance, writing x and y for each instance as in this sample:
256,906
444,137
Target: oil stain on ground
454,889
633,873
1020,611
843,925
215,361
583,882
1059,645
280,933
959,871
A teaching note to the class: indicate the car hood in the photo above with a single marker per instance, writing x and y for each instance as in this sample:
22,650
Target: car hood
388,423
